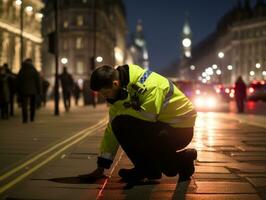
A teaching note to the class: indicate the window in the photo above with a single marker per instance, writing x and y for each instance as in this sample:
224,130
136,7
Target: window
78,43
80,20
80,67
65,44
65,24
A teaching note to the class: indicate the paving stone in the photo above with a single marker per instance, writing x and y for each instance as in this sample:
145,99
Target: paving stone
213,157
222,197
258,182
211,169
223,187
250,158
218,177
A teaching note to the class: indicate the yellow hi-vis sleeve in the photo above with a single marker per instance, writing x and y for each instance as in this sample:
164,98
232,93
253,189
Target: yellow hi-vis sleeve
109,145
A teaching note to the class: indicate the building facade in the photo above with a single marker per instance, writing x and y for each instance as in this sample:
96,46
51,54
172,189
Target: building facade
88,29
138,47
237,47
20,40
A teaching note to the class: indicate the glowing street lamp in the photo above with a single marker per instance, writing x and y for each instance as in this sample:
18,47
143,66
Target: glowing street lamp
251,73
229,67
64,61
218,72
258,65
221,54
214,66
18,2
99,59
192,67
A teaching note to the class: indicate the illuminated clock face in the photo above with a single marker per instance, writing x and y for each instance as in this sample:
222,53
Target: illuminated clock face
186,42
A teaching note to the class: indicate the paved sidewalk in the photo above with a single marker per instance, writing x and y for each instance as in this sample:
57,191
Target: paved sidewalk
231,166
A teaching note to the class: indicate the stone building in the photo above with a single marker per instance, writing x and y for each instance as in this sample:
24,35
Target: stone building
237,47
10,32
88,29
138,47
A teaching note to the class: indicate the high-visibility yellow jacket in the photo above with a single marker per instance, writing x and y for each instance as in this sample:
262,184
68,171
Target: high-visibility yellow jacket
159,100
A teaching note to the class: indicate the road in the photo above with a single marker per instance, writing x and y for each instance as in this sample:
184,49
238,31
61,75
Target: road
42,160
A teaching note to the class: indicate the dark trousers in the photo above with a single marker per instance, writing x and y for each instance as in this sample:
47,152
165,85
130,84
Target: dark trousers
28,100
152,146
11,104
4,110
67,100
240,105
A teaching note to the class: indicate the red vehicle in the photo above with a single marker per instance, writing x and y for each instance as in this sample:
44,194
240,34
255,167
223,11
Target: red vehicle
256,91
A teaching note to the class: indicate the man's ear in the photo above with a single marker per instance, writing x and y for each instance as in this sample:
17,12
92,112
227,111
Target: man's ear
116,83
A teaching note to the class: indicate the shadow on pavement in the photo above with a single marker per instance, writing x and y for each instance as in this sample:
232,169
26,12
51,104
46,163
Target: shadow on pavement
181,190
81,179
140,183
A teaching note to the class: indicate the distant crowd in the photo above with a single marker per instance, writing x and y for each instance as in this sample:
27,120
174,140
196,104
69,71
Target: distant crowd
28,89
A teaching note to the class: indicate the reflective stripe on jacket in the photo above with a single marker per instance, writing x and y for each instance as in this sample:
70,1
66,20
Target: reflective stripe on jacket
159,100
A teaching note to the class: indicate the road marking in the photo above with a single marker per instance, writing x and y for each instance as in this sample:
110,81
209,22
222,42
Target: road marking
76,138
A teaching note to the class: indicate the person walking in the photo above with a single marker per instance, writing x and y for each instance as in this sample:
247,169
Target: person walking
67,84
12,88
4,93
240,94
76,93
150,118
29,88
44,89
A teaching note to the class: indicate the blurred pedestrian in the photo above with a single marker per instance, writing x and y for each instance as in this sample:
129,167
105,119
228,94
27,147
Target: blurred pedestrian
240,94
4,93
44,89
12,88
29,88
76,92
67,84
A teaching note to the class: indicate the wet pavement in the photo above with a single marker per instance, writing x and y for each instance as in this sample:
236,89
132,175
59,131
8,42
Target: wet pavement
231,162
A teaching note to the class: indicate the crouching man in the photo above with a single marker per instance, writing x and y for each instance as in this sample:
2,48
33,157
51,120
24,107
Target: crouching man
150,118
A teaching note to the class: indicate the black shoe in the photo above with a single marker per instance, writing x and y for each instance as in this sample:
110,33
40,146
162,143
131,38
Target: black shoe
188,169
134,175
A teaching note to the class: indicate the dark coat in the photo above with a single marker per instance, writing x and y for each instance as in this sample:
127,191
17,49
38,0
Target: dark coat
28,80
4,89
67,82
240,90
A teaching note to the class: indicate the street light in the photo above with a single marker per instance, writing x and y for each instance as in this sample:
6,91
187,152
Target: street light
18,2
214,66
258,65
221,54
64,61
218,72
99,59
192,67
229,67
251,73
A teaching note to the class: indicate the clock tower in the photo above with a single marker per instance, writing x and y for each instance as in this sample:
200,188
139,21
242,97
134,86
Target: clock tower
186,40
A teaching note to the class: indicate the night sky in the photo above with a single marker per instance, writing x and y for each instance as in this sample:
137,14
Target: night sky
163,22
